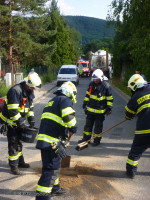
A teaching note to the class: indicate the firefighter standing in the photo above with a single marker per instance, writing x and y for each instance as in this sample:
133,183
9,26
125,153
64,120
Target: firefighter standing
19,105
97,102
139,105
58,119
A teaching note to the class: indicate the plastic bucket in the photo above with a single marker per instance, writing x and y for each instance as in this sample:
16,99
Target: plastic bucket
29,134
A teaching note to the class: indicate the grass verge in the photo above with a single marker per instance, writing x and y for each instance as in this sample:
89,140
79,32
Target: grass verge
121,85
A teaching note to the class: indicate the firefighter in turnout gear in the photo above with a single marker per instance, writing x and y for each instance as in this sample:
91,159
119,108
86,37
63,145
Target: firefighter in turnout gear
138,105
97,103
17,107
57,124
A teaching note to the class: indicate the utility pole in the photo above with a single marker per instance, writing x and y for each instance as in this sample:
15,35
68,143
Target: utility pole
10,43
90,59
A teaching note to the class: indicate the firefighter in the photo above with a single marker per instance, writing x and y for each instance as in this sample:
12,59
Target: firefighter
17,107
138,105
97,103
57,124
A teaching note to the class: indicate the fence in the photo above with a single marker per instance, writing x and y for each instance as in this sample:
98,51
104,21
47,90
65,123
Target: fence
6,78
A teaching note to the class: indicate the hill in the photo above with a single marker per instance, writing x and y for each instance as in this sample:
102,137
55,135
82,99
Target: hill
89,27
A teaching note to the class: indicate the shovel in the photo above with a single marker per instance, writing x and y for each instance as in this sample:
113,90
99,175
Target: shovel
66,161
84,145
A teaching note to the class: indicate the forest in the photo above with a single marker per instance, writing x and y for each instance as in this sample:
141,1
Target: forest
90,28
32,35
131,45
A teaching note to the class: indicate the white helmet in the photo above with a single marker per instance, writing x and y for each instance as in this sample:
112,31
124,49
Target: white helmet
68,89
98,74
33,80
136,81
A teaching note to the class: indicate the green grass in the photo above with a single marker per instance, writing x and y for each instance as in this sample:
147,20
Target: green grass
3,89
121,85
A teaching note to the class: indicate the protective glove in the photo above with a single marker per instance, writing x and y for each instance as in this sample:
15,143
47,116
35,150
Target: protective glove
21,127
32,124
59,150
3,130
108,111
128,118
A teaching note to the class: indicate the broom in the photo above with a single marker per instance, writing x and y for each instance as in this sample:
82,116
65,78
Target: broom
84,145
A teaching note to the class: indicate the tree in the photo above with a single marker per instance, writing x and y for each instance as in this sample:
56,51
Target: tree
66,51
132,47
25,21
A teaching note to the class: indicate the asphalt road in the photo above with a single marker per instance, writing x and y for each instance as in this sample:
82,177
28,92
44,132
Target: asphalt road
95,172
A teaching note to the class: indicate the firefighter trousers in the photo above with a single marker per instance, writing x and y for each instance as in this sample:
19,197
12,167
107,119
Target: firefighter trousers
15,146
140,144
49,181
95,121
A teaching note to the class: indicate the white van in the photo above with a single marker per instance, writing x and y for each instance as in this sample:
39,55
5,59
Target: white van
68,73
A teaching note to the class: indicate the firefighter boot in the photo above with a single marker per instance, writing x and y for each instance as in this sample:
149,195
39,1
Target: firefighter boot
60,191
130,174
15,170
84,139
96,142
22,163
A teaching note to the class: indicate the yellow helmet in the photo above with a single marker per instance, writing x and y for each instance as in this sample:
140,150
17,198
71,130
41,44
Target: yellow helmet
33,80
69,89
136,81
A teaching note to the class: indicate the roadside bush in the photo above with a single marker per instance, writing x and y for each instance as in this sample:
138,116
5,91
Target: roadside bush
3,89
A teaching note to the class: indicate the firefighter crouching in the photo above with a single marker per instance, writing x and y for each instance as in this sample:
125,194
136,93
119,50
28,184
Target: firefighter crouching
57,124
17,107
139,105
97,102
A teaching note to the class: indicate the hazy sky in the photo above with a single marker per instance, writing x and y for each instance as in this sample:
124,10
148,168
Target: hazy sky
90,8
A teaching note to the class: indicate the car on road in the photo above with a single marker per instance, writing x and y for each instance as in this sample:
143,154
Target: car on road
68,73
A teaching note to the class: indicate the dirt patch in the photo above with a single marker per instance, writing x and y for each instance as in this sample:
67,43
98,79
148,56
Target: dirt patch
70,177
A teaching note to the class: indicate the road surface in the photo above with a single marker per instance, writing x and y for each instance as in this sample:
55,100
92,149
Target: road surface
95,172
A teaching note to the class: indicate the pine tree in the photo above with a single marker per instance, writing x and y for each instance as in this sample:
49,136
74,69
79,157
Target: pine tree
25,21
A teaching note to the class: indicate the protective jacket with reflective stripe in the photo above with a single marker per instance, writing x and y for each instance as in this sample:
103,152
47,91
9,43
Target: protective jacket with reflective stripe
98,98
57,118
139,105
18,105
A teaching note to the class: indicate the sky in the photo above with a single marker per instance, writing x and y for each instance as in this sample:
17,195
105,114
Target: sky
89,8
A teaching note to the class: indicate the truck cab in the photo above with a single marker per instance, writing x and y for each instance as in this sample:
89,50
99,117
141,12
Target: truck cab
83,68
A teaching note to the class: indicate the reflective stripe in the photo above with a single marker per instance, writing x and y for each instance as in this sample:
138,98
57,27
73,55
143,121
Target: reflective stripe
71,123
96,98
23,110
15,157
47,138
143,131
109,98
44,189
87,92
87,133
144,98
94,135
86,99
95,110
143,107
31,113
16,117
56,181
53,117
109,103
7,120
12,106
67,111
130,111
132,162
